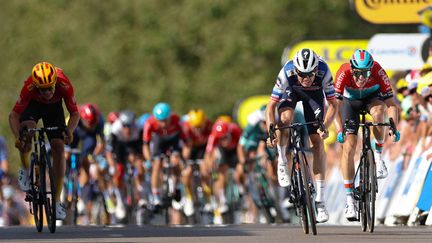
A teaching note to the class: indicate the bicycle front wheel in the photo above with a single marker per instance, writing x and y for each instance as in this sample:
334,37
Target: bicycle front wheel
371,189
363,181
49,192
308,189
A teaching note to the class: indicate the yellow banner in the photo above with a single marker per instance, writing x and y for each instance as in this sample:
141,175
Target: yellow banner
391,11
334,52
249,105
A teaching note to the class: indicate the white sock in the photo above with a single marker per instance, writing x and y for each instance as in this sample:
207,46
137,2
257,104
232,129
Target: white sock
281,154
320,185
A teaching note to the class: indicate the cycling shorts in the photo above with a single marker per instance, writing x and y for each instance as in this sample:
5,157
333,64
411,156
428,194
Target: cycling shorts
351,110
52,115
227,156
161,145
197,152
123,149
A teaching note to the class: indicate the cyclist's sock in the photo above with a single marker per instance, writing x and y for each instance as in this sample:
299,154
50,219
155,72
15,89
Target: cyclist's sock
320,190
281,154
155,191
25,157
221,195
378,147
349,190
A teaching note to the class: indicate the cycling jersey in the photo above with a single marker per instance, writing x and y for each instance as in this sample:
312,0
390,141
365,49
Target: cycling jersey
198,137
152,127
88,136
213,141
63,90
287,79
378,82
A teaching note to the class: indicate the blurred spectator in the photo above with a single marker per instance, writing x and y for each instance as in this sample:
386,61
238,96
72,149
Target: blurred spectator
14,212
4,165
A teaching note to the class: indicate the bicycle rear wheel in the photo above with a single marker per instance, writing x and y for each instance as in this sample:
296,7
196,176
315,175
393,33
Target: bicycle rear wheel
36,203
49,192
371,189
308,189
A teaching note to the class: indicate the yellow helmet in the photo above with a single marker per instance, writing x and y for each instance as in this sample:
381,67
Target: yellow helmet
196,117
401,83
224,118
44,75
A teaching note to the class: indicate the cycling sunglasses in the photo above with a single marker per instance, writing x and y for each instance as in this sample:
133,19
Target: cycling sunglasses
305,75
45,90
365,73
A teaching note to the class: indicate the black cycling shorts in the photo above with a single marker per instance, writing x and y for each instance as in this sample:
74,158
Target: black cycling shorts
313,101
351,110
161,145
52,115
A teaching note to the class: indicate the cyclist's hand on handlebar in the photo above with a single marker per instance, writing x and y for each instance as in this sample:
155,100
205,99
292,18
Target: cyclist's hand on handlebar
323,134
68,136
19,144
270,143
396,136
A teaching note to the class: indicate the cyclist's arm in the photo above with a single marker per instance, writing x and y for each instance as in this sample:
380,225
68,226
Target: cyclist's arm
338,117
14,123
331,113
187,149
146,151
392,109
270,113
73,121
241,153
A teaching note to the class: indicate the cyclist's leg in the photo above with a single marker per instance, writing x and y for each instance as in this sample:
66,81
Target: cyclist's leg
156,179
29,119
53,115
350,111
377,109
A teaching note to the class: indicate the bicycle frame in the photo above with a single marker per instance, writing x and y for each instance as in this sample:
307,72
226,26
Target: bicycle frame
365,192
301,179
39,197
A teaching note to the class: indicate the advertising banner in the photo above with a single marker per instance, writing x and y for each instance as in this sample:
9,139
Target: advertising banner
399,51
391,11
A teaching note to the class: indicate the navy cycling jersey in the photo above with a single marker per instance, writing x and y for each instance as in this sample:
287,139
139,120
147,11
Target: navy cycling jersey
287,78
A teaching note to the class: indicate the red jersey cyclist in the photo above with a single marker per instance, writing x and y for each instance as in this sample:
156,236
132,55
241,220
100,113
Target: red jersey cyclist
41,98
162,135
221,153
360,85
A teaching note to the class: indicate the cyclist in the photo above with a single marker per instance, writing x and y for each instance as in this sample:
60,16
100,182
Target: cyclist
221,153
305,78
362,84
162,135
197,129
89,135
124,147
41,98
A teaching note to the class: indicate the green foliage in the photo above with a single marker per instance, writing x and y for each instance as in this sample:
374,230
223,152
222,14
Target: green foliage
190,53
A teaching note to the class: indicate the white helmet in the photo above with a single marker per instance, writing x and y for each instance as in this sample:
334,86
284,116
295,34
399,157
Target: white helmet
305,60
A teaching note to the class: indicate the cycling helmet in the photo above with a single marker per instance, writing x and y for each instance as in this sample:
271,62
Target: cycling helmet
127,118
161,111
361,59
196,118
306,60
222,129
112,116
89,113
224,118
44,75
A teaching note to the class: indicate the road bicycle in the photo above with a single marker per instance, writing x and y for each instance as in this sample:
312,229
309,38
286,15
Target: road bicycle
41,196
367,188
302,183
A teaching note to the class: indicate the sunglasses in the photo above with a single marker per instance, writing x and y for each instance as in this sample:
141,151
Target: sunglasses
45,90
365,73
305,75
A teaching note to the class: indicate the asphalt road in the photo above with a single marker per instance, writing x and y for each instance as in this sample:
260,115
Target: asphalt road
231,233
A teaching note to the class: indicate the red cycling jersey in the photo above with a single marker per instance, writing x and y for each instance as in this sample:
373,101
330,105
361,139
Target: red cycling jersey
378,81
198,137
63,90
213,141
152,126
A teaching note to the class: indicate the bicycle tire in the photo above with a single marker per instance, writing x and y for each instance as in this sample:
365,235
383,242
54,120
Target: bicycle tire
300,196
371,191
49,191
362,192
308,184
36,203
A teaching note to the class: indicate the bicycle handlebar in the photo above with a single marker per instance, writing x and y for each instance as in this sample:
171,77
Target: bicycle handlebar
391,124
